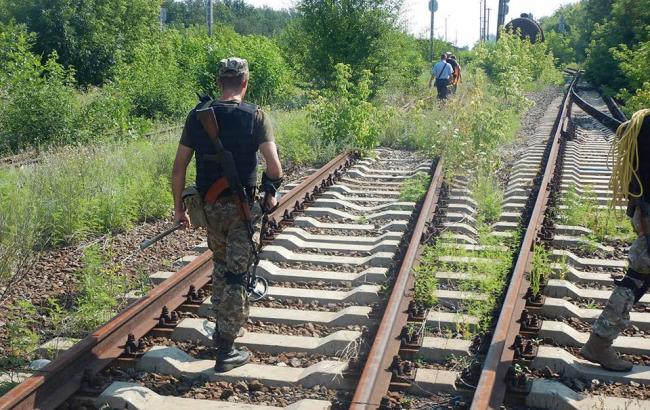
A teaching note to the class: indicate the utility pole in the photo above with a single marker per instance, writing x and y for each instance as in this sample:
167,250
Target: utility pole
487,25
446,27
501,15
480,20
484,19
210,18
433,7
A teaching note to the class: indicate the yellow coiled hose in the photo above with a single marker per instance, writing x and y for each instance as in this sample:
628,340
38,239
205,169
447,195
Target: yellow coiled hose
625,151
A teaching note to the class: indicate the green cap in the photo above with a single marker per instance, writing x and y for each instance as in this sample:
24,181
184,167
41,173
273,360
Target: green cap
232,67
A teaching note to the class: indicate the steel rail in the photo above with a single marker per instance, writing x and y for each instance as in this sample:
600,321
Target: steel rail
491,388
376,376
614,108
603,118
51,386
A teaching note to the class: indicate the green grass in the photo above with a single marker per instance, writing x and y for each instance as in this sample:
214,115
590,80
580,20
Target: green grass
541,269
298,140
488,195
605,224
79,193
415,187
486,275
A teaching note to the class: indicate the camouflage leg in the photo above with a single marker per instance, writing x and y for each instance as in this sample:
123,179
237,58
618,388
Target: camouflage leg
616,315
233,310
217,244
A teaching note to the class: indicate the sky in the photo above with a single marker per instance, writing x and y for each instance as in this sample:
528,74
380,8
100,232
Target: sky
462,16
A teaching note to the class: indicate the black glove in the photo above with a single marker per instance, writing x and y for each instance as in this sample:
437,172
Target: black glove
270,186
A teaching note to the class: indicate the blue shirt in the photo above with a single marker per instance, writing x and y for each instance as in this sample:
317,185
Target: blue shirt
442,70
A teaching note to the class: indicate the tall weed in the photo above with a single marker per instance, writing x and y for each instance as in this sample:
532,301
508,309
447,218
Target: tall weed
298,141
344,116
513,64
488,195
78,193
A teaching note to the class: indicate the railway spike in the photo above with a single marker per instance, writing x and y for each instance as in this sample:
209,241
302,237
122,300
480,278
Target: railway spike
164,318
395,366
131,347
192,296
408,368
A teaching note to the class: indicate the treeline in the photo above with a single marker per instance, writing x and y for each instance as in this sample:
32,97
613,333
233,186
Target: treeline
73,71
244,18
611,39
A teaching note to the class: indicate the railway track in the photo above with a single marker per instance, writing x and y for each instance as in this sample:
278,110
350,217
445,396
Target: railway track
332,245
345,324
562,279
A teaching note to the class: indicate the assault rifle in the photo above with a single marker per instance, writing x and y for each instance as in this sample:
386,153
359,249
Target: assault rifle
257,287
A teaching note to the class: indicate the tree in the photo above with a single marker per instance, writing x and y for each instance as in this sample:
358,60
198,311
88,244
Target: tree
89,35
359,33
244,18
625,24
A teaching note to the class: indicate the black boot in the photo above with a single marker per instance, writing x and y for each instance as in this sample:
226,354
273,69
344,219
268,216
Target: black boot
215,336
228,357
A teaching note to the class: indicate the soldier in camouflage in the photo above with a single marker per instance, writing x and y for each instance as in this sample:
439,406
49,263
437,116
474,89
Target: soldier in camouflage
629,290
244,129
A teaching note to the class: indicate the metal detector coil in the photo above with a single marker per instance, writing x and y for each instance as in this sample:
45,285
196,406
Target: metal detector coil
258,288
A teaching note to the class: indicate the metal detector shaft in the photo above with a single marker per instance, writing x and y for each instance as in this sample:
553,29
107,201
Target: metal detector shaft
149,242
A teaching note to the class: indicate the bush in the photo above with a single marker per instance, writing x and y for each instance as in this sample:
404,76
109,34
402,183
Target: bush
634,63
344,116
154,81
38,103
90,35
512,64
298,141
362,34
270,79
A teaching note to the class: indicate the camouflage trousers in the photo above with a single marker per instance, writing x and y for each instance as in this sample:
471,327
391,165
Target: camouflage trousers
616,315
228,239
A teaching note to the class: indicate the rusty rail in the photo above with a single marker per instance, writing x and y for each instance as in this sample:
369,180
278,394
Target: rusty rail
376,376
491,388
52,385
603,118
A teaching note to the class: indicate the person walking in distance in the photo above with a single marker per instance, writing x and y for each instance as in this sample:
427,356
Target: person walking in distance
243,129
630,182
440,75
456,74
